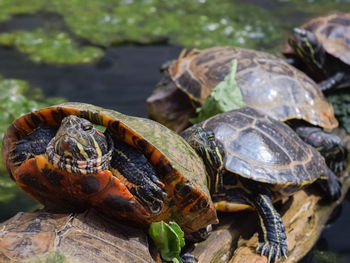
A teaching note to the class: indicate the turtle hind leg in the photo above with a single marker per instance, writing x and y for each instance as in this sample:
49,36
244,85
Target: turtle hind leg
331,186
333,82
272,236
329,145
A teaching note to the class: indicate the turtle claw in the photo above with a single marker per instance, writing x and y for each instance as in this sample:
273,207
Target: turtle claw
151,195
188,258
273,251
299,32
155,180
284,252
332,186
337,166
334,189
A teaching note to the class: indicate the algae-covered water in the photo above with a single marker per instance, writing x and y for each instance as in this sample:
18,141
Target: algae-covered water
108,53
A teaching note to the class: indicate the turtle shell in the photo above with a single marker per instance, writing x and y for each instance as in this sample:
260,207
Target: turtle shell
177,166
333,32
266,82
260,148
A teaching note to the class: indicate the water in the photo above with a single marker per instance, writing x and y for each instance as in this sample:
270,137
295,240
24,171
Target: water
126,76
122,80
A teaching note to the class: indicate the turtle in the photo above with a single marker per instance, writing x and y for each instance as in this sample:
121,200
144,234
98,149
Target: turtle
136,170
266,83
321,47
253,161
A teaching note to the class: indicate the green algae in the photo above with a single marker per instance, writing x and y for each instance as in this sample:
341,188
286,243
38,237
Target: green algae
190,23
50,47
318,7
11,7
16,98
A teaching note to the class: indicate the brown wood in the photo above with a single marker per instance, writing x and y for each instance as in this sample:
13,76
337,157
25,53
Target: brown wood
86,237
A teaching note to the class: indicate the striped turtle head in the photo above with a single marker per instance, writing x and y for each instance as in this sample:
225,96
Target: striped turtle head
79,147
211,152
307,46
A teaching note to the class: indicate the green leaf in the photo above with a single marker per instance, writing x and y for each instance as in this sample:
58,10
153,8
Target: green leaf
225,96
100,128
169,239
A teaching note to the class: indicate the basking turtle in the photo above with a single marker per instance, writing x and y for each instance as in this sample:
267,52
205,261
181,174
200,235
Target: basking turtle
136,170
322,48
266,82
254,160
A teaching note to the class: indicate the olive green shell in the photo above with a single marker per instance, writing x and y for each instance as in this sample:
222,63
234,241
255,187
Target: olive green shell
266,82
333,33
179,168
260,148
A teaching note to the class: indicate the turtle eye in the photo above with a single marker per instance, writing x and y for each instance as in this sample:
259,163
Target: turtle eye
87,127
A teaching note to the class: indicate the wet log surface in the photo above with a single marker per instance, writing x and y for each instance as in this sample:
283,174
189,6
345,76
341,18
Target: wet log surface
86,237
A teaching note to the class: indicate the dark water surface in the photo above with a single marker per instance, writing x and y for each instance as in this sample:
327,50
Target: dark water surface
123,80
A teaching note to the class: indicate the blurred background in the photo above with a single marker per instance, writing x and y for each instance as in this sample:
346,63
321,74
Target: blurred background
108,53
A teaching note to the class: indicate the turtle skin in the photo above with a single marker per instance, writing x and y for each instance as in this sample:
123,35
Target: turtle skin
180,172
321,48
267,83
253,161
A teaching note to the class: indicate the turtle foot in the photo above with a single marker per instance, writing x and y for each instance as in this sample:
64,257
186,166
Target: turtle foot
273,251
337,166
188,258
332,187
150,195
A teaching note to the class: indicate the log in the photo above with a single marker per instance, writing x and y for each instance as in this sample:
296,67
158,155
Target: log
80,238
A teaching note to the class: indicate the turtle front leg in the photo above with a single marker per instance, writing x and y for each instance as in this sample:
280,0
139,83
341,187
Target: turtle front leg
272,236
330,146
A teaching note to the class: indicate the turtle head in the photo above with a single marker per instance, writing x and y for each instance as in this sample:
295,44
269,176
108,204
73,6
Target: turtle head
210,151
307,47
78,146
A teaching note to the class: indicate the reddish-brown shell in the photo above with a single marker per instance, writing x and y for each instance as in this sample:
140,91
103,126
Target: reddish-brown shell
266,82
177,165
333,32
